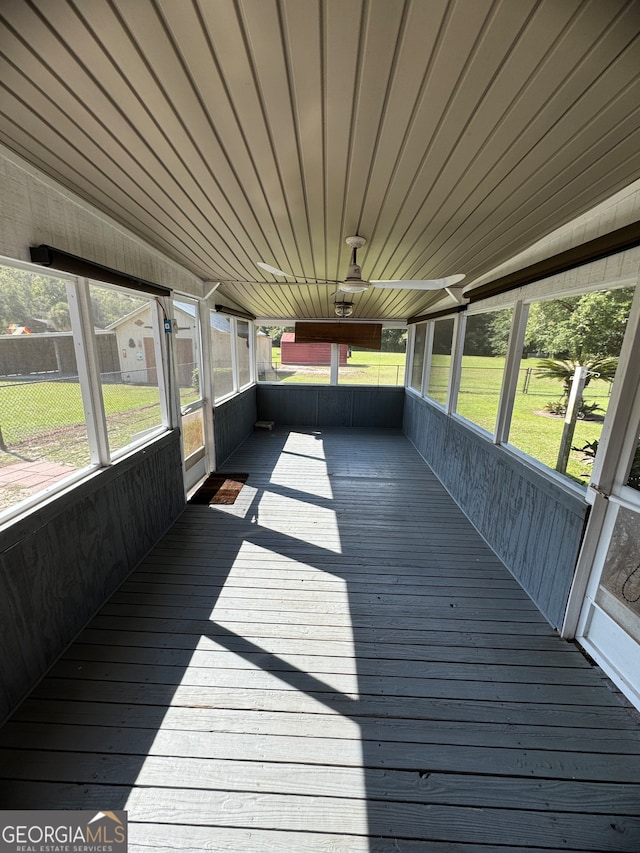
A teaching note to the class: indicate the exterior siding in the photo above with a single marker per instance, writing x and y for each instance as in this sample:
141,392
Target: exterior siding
314,353
39,211
533,525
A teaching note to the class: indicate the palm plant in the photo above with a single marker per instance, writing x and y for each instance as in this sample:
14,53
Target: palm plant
563,369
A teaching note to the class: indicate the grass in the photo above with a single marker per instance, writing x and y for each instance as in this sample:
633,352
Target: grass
364,367
45,420
54,428
532,430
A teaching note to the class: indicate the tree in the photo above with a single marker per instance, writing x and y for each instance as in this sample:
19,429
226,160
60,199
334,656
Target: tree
59,317
582,327
29,299
25,297
108,305
276,333
477,335
499,331
394,340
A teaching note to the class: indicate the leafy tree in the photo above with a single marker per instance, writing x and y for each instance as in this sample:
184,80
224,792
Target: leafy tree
32,300
25,297
276,333
59,317
477,336
499,330
394,340
108,305
580,327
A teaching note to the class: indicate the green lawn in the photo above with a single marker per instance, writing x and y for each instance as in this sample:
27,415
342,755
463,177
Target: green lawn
363,367
533,430
45,420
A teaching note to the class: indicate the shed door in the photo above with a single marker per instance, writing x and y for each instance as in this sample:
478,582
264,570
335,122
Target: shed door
150,360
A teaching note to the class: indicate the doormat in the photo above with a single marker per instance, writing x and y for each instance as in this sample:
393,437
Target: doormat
219,489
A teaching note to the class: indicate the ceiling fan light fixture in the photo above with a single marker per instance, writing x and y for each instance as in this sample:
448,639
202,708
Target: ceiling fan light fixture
343,308
353,287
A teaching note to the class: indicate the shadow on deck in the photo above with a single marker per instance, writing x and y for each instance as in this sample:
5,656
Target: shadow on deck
335,663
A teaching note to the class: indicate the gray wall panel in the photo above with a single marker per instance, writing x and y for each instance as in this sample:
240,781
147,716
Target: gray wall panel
62,561
233,421
533,524
378,407
339,406
335,407
293,404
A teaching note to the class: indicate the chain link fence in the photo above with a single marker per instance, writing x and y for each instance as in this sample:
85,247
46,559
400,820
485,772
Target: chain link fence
43,433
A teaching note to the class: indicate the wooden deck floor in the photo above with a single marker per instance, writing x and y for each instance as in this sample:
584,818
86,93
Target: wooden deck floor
335,663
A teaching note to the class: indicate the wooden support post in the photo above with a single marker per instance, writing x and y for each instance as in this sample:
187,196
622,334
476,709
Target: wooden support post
573,407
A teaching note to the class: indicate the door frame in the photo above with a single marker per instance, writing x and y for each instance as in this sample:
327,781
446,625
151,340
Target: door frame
607,488
199,467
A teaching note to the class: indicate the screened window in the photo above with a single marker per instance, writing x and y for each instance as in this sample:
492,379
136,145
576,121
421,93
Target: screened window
417,365
78,379
221,359
243,349
562,337
43,436
128,376
440,363
376,367
280,358
187,348
483,359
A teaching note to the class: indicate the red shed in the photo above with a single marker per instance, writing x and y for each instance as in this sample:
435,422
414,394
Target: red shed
315,353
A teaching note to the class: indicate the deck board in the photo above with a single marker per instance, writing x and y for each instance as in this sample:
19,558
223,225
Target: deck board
336,662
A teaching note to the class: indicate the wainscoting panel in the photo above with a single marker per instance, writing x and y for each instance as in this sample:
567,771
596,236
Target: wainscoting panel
533,524
347,406
61,562
233,421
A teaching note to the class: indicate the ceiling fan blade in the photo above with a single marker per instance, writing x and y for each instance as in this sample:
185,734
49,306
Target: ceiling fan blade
274,270
299,279
425,284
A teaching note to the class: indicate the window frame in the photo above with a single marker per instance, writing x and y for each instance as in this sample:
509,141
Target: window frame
334,363
503,413
84,345
236,388
519,300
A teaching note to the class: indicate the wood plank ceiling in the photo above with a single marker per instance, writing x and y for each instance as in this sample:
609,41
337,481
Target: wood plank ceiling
450,133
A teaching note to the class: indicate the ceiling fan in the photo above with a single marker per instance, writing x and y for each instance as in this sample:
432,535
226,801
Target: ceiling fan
354,283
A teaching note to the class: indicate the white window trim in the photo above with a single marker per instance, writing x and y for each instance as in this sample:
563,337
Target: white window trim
250,339
455,370
84,344
88,371
236,388
426,361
